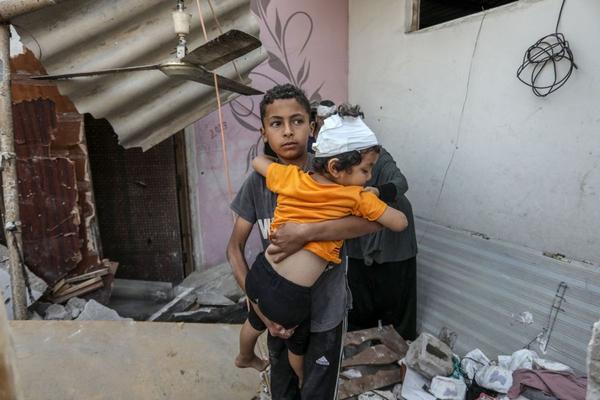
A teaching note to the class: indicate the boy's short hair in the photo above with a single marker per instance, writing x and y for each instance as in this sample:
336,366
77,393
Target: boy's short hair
282,92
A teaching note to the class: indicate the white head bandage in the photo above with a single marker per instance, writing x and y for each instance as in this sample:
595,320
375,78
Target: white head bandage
325,111
341,134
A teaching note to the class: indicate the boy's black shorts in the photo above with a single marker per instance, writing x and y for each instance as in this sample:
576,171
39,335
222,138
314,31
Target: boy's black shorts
281,301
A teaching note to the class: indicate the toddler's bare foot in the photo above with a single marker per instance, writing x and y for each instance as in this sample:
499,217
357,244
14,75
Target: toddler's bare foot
257,363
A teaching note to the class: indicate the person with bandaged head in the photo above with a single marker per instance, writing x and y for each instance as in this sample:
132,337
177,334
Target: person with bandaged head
324,109
345,152
382,266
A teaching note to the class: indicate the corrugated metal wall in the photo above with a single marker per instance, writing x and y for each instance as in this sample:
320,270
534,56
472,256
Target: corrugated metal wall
478,287
143,107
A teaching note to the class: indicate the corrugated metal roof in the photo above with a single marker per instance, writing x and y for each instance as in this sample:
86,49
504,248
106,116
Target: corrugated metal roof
143,107
478,288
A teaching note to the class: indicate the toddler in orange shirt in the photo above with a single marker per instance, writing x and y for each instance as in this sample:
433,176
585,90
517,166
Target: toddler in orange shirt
345,152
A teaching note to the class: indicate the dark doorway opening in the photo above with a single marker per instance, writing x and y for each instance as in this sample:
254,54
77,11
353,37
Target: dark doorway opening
142,205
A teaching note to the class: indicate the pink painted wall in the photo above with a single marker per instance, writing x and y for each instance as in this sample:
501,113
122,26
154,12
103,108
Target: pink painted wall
307,43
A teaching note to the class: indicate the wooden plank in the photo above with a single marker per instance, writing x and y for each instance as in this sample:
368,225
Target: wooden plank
59,285
73,288
87,275
81,291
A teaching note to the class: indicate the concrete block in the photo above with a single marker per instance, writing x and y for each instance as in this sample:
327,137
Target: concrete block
430,356
94,311
75,306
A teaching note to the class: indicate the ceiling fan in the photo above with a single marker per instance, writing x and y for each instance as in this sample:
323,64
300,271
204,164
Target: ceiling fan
195,65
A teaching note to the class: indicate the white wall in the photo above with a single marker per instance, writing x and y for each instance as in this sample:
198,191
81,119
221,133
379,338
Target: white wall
519,168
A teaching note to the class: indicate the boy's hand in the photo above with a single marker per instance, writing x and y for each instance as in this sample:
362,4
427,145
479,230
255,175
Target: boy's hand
279,331
373,190
287,240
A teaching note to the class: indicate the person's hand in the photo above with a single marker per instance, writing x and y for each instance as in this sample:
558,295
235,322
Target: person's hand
373,190
287,240
278,331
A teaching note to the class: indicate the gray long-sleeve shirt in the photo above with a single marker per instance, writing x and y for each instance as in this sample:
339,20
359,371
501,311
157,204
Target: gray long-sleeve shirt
386,245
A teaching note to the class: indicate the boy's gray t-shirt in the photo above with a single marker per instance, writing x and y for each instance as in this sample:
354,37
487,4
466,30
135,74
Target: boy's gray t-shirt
330,294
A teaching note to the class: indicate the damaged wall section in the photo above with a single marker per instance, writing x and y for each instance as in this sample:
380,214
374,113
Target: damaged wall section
56,199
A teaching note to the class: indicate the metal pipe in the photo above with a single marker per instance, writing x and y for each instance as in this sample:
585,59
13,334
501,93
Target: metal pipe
13,8
8,163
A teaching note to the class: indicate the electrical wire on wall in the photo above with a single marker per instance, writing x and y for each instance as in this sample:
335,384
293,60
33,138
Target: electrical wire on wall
550,61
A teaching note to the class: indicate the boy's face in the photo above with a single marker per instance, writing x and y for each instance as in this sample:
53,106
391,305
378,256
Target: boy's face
361,173
286,127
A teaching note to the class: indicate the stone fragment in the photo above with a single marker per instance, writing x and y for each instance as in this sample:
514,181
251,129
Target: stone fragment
56,311
75,306
94,311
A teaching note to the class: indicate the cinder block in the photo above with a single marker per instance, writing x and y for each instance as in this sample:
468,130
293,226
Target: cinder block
430,356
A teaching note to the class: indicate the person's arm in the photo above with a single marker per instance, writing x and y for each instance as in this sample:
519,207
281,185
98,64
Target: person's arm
393,219
239,266
291,237
261,164
235,250
390,183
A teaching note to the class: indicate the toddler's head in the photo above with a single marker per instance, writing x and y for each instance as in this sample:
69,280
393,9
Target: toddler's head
346,149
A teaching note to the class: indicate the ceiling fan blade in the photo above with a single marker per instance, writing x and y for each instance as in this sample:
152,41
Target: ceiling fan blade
95,73
221,50
206,77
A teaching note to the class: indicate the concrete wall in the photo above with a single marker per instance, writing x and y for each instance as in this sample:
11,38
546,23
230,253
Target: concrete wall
480,151
307,45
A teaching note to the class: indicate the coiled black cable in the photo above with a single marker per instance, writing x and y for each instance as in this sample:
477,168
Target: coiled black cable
547,53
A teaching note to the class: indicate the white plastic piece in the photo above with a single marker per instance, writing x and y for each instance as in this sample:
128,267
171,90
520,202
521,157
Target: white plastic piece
495,378
448,388
522,359
542,363
473,361
181,22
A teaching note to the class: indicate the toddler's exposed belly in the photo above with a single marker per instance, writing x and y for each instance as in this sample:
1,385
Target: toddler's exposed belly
303,267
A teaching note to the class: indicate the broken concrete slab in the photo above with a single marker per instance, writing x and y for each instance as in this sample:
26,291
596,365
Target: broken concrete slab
212,298
387,335
144,290
57,312
377,395
430,356
180,303
38,286
217,279
105,360
94,311
235,314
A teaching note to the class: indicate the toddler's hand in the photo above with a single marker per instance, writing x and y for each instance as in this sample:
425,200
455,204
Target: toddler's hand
373,190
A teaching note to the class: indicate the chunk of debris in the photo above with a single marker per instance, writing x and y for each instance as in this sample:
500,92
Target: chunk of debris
234,314
377,395
75,306
211,298
179,304
376,355
430,356
387,335
37,285
351,374
94,311
378,380
217,279
58,312
448,336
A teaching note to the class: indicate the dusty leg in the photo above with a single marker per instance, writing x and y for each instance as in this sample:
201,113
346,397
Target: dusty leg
297,364
247,358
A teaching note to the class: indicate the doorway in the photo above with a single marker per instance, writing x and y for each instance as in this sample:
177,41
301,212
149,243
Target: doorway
142,205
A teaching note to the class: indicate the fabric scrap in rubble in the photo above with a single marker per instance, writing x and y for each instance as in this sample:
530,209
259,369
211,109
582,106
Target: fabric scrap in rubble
563,385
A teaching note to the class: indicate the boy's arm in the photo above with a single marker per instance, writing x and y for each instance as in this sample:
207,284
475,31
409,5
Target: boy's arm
291,237
393,219
239,266
261,164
